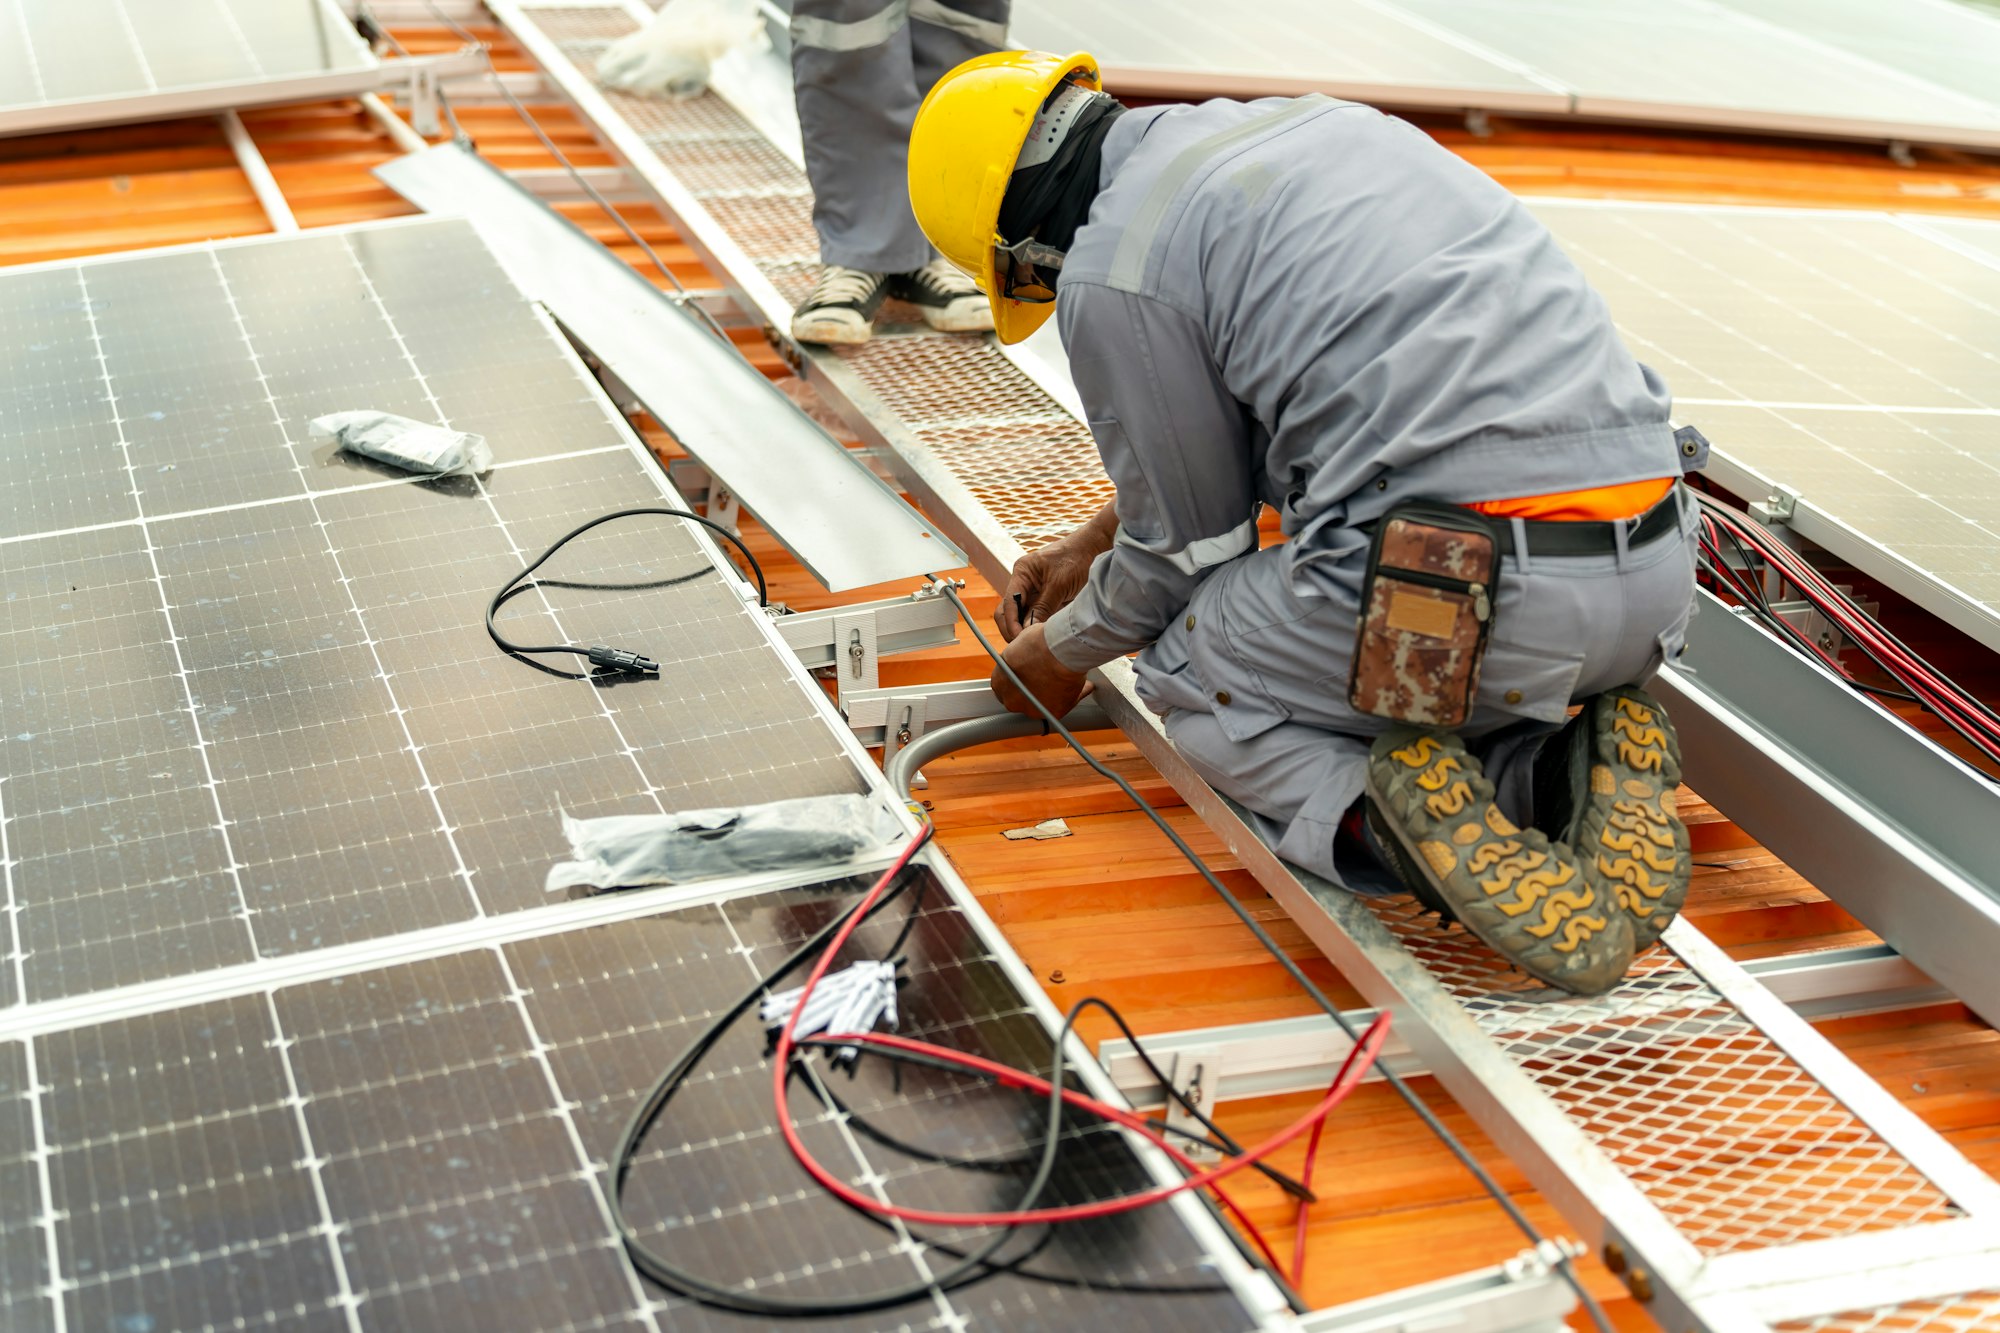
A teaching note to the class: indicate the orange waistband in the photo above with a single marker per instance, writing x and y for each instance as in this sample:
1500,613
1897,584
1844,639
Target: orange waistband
1600,504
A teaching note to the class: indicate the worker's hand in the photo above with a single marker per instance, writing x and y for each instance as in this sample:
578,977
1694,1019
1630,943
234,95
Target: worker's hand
1048,579
1053,683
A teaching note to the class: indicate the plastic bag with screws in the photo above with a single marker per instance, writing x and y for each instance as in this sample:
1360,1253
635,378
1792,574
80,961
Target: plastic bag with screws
623,851
411,445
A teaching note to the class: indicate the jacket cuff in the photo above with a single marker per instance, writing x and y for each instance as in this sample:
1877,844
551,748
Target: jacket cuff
1076,643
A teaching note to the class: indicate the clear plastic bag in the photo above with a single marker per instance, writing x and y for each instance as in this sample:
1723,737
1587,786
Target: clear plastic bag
413,445
670,57
623,851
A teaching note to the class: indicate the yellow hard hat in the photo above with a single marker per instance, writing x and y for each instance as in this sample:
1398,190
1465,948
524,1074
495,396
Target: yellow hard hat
967,136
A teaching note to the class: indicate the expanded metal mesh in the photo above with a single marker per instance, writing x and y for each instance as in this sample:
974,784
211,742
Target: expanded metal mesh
1031,464
1974,1312
1703,1112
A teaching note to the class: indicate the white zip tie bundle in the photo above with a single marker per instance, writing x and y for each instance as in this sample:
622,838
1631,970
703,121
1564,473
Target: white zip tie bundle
853,999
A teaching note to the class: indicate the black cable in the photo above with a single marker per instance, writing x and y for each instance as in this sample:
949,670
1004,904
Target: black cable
619,659
971,1266
1215,1137
1436,1126
583,183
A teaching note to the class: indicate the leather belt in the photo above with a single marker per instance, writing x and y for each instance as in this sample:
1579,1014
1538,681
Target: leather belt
1560,537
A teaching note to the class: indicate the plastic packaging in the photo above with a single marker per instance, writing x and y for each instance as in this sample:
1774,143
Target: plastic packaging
412,445
622,851
670,57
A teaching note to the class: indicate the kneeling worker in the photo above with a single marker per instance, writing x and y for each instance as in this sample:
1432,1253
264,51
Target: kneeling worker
1308,304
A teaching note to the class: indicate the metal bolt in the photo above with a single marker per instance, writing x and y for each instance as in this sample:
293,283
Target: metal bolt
1640,1283
1614,1256
856,652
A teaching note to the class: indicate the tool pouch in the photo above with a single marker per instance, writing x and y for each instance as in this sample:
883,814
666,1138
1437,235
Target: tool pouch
1426,612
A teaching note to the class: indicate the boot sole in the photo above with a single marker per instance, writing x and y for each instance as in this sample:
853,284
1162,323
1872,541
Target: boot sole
1629,833
1522,895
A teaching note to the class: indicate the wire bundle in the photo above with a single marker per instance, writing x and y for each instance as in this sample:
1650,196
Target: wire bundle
1923,683
787,1060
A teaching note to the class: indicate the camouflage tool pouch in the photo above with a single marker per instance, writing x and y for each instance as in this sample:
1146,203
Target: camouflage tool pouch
1426,611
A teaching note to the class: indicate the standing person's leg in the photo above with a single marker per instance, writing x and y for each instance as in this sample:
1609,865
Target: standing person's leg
855,87
945,36
855,81
860,69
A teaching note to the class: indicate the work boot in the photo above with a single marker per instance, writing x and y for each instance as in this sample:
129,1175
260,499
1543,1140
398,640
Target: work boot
1607,785
945,298
1521,893
841,308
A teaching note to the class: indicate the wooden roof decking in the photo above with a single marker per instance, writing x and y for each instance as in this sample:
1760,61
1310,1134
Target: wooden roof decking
1112,910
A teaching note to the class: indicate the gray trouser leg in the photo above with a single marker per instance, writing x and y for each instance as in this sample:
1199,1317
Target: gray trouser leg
860,69
1252,678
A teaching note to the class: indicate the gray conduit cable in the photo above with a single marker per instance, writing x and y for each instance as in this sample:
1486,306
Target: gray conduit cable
901,769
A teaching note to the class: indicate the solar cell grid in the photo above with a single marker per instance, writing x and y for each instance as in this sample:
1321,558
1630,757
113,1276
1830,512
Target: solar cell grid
250,708
422,1146
76,62
1851,357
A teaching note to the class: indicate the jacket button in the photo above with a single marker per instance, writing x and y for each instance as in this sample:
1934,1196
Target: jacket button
1190,622
1513,696
1222,697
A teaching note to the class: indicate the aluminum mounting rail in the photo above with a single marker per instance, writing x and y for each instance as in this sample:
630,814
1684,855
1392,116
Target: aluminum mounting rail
1726,1160
841,521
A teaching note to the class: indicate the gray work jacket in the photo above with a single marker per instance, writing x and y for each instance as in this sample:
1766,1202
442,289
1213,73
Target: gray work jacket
1309,304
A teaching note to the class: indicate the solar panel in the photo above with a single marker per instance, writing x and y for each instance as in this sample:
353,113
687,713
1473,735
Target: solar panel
1942,42
85,62
1852,357
1284,46
248,707
424,1146
1814,66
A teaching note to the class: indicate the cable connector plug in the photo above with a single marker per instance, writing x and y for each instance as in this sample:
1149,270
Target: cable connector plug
621,659
854,999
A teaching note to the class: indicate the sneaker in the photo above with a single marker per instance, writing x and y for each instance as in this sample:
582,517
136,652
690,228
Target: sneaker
1608,785
1525,896
842,306
945,297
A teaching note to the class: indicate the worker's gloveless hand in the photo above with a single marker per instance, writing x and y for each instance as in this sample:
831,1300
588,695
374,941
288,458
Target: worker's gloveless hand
1047,580
1053,683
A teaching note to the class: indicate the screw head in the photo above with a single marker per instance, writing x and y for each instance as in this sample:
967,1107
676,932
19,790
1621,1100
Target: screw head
1614,1256
1640,1283
1056,977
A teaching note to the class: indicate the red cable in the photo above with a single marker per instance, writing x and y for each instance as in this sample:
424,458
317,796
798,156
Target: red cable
1359,1059
1306,1179
1964,713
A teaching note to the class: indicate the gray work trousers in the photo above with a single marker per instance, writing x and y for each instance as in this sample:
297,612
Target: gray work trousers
860,69
1252,678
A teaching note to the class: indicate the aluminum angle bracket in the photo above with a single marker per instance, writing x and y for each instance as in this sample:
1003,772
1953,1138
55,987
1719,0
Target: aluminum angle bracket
840,520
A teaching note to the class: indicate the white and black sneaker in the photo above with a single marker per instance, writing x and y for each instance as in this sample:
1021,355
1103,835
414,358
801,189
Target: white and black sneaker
945,297
842,306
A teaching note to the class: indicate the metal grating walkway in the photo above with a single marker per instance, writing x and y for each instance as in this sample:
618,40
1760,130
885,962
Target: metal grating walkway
1751,1175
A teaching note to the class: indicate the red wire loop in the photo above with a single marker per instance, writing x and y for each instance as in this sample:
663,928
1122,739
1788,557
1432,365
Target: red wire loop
1358,1061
